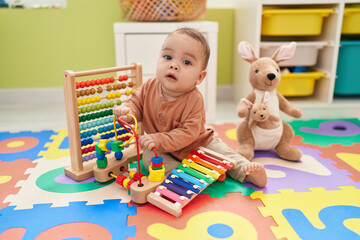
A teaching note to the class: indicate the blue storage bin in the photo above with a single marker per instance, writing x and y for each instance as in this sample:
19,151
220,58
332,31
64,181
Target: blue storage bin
348,74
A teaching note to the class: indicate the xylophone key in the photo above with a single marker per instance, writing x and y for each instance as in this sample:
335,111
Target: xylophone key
177,189
179,181
212,173
207,164
224,164
199,182
195,173
171,195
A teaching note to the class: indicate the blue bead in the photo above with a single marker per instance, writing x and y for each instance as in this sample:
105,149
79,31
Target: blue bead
156,159
108,145
100,156
94,132
119,155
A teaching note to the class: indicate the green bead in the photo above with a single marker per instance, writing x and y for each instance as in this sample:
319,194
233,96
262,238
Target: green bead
102,163
99,150
115,146
111,104
157,168
98,107
93,108
119,102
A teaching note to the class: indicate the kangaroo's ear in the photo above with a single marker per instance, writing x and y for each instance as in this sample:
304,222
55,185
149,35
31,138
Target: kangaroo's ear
266,97
247,52
285,52
246,103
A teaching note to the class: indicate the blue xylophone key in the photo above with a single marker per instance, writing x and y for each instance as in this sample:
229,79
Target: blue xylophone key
179,181
177,189
201,183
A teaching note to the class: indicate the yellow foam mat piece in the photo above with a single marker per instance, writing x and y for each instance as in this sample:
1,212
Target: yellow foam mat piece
197,227
351,159
53,151
310,203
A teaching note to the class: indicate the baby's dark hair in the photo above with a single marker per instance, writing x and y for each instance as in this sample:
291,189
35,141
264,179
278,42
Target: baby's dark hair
198,36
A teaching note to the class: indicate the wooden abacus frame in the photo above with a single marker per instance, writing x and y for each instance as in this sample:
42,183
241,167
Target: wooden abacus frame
78,170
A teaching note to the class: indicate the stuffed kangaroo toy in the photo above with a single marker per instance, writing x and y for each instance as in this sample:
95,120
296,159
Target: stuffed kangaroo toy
264,77
260,115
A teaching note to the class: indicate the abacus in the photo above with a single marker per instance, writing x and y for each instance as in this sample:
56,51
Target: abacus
89,114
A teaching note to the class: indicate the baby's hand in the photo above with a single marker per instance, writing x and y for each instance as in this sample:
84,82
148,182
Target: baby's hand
146,141
121,112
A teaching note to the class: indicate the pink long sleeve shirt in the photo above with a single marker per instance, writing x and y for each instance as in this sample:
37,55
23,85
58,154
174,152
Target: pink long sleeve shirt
177,126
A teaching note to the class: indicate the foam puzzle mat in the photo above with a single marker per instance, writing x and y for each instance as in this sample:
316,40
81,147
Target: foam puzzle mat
317,197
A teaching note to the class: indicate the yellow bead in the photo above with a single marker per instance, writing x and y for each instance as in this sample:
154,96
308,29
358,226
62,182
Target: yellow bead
125,182
127,92
98,98
88,101
78,102
108,96
131,174
83,101
118,94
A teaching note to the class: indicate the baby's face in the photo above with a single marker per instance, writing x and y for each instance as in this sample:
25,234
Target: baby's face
180,64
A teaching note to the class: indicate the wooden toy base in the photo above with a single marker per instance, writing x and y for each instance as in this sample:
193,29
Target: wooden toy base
90,168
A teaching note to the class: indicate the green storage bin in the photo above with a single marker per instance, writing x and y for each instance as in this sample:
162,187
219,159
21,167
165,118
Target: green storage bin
348,74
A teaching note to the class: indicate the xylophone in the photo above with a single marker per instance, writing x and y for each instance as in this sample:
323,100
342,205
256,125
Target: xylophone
200,169
88,104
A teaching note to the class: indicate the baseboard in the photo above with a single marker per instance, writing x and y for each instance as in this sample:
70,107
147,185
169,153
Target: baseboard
32,96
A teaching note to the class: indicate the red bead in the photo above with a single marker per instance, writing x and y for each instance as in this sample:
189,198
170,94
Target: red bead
129,184
77,85
125,77
102,81
120,78
112,79
93,82
120,179
87,83
82,84
157,164
82,151
98,81
107,80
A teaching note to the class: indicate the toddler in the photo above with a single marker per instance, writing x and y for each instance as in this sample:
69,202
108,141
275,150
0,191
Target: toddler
172,111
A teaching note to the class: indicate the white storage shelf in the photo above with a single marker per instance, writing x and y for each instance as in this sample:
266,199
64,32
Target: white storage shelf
327,44
141,42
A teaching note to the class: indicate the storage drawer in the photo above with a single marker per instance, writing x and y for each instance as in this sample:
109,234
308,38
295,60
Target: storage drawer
348,75
306,52
293,22
351,21
298,84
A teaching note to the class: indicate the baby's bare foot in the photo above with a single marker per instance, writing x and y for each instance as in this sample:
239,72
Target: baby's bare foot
255,173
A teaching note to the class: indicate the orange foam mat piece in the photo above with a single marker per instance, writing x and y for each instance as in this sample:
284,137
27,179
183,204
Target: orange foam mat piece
149,218
10,174
346,157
